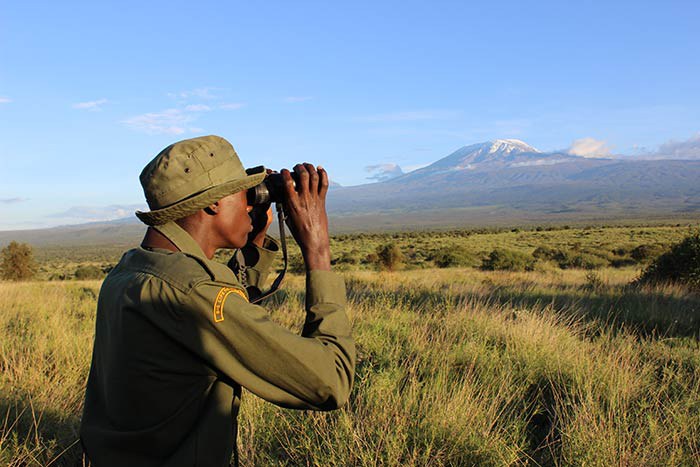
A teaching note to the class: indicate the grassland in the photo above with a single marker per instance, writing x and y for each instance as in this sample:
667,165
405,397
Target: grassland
457,366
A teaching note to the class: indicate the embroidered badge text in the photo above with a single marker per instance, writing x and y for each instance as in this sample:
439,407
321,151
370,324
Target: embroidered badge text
221,299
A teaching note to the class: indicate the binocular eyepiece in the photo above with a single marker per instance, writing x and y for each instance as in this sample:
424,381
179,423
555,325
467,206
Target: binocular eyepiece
271,190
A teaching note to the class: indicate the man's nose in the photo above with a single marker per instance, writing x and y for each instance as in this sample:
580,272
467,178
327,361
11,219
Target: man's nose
248,208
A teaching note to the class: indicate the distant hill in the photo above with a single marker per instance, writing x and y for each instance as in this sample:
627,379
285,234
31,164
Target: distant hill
510,175
125,232
500,182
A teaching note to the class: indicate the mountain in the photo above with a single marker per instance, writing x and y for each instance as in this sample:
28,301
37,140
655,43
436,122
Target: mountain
500,182
509,178
493,155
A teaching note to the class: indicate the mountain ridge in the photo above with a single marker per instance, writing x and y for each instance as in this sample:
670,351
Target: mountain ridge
488,182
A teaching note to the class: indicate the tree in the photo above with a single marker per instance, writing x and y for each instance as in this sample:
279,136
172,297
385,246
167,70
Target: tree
17,263
390,257
680,265
502,259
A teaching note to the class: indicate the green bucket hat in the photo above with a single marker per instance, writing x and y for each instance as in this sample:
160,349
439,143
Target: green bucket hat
190,175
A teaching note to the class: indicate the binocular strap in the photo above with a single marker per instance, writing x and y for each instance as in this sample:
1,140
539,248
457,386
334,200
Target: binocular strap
283,241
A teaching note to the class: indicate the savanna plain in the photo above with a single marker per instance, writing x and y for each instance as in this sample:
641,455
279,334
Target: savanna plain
534,346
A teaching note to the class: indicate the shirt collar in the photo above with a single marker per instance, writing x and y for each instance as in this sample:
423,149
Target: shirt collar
181,239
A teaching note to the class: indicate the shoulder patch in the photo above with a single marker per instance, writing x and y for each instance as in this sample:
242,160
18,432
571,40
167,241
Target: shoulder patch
221,299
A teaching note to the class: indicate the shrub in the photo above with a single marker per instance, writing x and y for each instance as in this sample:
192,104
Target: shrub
594,282
88,272
571,259
448,257
646,253
576,259
622,262
17,263
389,257
352,257
544,252
680,265
502,259
371,258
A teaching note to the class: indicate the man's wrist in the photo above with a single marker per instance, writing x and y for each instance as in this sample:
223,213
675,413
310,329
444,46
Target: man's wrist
318,260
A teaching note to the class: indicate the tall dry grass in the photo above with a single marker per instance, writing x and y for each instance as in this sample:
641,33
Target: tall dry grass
456,367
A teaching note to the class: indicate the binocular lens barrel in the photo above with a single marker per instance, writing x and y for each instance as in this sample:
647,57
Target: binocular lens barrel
271,190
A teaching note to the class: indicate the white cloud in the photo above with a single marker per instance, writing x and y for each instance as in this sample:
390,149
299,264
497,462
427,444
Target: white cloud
589,147
97,213
413,115
411,168
297,99
13,200
169,121
383,172
92,106
538,162
232,106
5,100
197,108
689,149
201,93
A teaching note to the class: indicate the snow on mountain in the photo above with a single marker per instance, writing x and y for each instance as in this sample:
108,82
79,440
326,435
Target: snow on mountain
506,146
496,154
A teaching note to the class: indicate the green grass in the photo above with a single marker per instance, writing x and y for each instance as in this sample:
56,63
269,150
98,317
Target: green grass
456,367
595,245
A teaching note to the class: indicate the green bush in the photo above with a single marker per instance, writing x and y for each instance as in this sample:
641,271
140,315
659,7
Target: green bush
679,265
622,262
452,256
349,257
646,253
583,261
17,262
570,259
594,283
88,272
502,259
371,258
390,257
545,253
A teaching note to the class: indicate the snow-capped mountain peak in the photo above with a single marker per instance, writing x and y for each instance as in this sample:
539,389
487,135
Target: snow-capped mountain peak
510,145
499,152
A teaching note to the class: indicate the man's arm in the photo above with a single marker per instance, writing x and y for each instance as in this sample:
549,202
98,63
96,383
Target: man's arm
313,370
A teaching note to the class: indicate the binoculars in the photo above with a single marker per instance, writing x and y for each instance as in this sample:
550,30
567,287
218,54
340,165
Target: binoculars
271,190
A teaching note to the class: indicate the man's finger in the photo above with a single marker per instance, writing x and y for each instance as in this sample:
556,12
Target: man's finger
303,177
313,178
322,182
290,192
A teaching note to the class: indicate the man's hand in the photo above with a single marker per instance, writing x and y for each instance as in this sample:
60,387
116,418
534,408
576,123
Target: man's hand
261,216
305,207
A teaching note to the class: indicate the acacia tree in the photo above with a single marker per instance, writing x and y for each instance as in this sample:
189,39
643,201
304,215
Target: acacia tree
17,262
390,257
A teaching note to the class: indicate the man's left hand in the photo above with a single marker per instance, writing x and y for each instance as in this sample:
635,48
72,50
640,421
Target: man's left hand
261,216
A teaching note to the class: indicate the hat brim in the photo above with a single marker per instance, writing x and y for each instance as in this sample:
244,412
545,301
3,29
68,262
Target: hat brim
201,200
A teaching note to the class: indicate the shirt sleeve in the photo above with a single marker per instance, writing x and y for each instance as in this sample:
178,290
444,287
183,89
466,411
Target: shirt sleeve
313,370
254,263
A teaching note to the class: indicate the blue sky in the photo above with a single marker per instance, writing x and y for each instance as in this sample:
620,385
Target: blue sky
91,91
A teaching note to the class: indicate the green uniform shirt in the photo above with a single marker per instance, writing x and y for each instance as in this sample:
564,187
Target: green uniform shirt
176,339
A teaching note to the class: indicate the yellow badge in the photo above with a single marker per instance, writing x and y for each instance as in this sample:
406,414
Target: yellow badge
221,299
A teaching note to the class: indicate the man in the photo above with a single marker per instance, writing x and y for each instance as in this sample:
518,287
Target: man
176,337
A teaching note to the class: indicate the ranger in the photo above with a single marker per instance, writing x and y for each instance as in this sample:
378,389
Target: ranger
176,337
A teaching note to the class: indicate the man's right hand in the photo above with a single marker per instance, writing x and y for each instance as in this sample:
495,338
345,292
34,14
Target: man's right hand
305,208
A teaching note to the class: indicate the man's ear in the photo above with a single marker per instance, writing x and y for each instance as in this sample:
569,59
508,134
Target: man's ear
212,209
